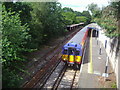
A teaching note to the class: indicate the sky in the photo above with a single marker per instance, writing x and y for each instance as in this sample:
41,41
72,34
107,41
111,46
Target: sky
80,5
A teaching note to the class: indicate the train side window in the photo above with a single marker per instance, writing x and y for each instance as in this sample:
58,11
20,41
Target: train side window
77,52
65,51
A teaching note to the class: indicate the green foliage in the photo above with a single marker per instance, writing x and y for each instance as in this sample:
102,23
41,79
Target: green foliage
114,85
73,17
10,79
36,27
106,18
67,9
22,8
92,7
81,19
47,22
69,17
95,10
14,37
52,20
87,15
116,6
78,13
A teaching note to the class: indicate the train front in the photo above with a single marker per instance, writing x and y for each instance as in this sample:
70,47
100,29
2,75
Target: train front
71,53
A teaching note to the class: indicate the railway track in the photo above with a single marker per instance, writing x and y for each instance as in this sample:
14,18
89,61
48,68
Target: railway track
66,78
43,74
69,80
39,78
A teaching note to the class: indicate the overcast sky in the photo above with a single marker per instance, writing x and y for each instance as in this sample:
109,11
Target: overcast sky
80,5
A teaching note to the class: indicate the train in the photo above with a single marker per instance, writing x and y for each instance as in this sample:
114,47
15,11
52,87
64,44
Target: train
72,51
74,26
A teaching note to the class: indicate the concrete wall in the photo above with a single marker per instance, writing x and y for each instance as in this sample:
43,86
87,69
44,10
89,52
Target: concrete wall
113,52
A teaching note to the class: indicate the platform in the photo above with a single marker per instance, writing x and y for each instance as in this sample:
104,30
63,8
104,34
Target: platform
94,78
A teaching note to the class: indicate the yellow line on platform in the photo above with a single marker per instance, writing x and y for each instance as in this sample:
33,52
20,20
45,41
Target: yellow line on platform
90,65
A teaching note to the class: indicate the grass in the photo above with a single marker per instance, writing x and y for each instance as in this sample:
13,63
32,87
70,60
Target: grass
114,85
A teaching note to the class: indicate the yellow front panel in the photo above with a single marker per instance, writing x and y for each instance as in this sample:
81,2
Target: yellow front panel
65,57
71,58
78,58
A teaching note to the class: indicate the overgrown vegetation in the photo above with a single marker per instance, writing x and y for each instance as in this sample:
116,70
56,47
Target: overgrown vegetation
14,36
27,26
114,85
107,17
75,16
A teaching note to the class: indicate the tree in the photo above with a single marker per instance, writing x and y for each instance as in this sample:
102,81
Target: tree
47,22
69,17
14,36
82,19
94,9
108,20
87,15
116,6
67,9
78,13
73,17
22,8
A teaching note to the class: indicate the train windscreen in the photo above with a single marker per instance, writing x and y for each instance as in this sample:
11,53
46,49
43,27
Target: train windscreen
77,53
71,51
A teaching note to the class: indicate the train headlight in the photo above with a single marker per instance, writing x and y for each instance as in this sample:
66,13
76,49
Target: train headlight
64,59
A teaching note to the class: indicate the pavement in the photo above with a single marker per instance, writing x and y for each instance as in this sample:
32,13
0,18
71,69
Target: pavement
92,72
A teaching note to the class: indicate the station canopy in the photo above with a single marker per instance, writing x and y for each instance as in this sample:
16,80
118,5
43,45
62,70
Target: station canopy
94,26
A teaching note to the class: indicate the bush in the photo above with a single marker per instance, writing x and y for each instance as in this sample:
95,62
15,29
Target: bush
14,37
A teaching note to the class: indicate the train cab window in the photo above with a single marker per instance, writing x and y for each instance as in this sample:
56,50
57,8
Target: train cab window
77,52
70,51
65,51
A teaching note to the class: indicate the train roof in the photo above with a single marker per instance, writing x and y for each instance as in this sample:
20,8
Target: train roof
79,36
72,45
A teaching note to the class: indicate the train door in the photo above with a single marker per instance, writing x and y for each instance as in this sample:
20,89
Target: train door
71,55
